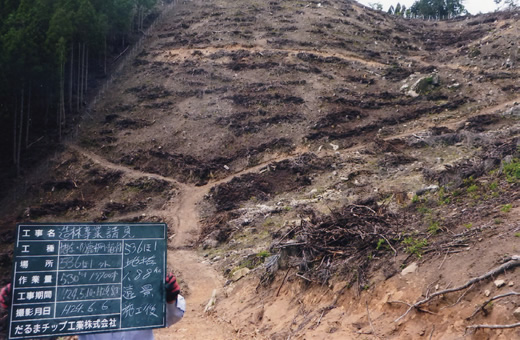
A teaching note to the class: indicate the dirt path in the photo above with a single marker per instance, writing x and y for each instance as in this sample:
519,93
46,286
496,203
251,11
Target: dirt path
126,170
200,279
197,277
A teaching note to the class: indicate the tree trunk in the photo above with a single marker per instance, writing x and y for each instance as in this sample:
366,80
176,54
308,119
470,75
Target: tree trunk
15,120
142,18
71,80
78,82
27,125
105,61
86,75
19,147
46,119
62,97
82,75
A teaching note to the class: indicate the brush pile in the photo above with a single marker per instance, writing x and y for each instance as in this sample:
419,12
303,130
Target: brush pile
343,241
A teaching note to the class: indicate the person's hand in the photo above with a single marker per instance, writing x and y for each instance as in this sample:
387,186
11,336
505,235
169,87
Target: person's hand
172,288
5,296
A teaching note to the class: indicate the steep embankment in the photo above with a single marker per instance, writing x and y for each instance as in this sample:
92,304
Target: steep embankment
322,145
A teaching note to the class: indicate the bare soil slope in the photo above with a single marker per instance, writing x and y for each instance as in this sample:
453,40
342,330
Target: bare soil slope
303,154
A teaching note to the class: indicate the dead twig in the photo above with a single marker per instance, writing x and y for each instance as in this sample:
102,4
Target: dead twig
458,300
444,260
303,277
411,306
513,262
431,333
383,236
283,281
365,207
370,320
319,320
483,306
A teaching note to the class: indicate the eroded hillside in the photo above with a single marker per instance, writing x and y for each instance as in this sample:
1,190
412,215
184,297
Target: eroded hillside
303,154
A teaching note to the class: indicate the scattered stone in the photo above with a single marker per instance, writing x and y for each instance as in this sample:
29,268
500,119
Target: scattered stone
511,284
431,188
487,292
436,80
226,167
258,315
335,147
516,313
499,283
240,274
423,85
410,269
514,111
211,240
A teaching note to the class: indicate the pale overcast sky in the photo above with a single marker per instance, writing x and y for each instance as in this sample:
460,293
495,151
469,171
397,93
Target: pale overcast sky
473,6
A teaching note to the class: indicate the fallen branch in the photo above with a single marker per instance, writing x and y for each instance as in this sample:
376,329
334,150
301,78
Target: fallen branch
483,306
458,300
212,302
514,325
121,54
513,262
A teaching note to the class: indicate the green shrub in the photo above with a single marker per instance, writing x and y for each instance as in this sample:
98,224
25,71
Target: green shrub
263,254
415,246
512,170
472,188
434,227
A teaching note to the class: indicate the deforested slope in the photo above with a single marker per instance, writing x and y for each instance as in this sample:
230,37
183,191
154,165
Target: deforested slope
303,153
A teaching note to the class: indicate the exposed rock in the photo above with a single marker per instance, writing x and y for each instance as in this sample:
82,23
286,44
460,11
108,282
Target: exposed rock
240,274
499,283
211,240
423,85
431,188
516,313
258,315
487,292
410,269
514,112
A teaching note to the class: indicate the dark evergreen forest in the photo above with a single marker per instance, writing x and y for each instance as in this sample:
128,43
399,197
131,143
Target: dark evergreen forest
51,52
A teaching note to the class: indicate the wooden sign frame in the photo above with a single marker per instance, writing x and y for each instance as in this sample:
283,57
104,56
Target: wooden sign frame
80,278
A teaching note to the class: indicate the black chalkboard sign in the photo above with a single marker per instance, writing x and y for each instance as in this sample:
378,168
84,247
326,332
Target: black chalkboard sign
87,278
